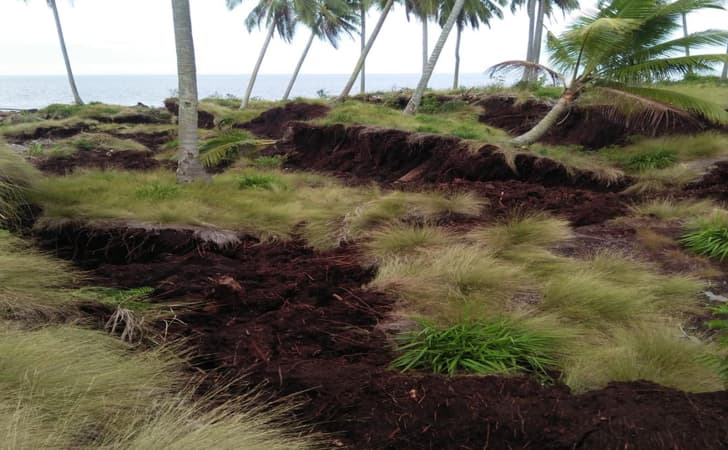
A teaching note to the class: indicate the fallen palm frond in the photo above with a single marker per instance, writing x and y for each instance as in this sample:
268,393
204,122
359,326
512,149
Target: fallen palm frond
229,146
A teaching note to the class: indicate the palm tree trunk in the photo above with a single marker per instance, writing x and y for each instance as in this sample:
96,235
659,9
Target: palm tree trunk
414,102
724,75
363,36
543,126
424,44
69,72
254,75
298,66
365,52
531,9
537,37
685,32
188,168
456,78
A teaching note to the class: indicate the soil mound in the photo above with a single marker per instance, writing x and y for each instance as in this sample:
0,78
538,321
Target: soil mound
129,160
204,119
272,123
50,132
714,184
300,322
151,139
389,155
591,127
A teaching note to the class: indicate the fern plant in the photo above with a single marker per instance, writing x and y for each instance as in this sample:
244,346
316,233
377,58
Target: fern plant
229,146
709,240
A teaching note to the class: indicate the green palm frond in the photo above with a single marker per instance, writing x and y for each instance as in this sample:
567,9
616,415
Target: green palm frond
709,110
662,68
229,146
562,57
693,41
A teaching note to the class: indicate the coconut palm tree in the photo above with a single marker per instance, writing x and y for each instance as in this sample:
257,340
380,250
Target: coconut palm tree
333,18
280,15
619,51
475,12
188,168
358,68
66,59
423,10
414,102
537,11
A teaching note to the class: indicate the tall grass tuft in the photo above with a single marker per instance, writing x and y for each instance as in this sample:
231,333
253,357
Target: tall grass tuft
16,178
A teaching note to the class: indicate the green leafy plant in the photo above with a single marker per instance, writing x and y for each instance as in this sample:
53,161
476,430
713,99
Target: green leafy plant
268,162
482,347
710,241
719,362
229,146
656,159
268,182
158,191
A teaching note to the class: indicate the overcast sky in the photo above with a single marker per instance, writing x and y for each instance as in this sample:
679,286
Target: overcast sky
136,37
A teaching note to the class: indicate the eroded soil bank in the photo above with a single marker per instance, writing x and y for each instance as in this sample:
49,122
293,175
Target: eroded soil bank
592,127
98,159
300,322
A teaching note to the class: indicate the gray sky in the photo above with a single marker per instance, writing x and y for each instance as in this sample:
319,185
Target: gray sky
135,37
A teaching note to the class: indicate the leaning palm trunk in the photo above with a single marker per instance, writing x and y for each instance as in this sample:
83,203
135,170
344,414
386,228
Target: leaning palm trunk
69,72
414,102
456,78
360,64
189,168
363,35
254,75
547,122
424,44
298,66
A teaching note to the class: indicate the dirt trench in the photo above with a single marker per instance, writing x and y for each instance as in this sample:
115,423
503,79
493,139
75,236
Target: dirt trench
300,322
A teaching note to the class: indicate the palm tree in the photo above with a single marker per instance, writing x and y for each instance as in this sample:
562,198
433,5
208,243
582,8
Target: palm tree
333,18
619,51
423,10
66,59
414,102
189,168
474,13
537,11
278,15
362,57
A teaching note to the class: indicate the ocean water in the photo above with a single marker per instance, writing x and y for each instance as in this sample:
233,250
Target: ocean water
25,92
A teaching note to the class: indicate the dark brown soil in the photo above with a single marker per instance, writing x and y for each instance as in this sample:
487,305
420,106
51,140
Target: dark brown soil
151,139
272,124
129,160
204,119
390,155
51,132
713,185
300,322
591,127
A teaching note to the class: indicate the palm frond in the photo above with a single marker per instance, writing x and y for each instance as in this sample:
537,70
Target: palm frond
665,98
662,68
229,146
517,66
693,41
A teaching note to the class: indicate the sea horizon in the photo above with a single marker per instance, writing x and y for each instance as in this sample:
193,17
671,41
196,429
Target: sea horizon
37,91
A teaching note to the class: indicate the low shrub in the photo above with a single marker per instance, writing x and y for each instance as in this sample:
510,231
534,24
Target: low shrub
482,347
268,162
657,159
708,236
265,181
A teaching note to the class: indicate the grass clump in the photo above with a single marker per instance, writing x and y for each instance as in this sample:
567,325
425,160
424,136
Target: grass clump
16,179
269,162
661,152
158,191
537,230
267,181
666,209
403,239
30,130
481,347
658,159
658,353
658,180
458,121
708,236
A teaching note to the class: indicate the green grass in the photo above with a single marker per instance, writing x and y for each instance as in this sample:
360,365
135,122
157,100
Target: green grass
403,239
265,181
227,112
666,209
330,212
269,162
662,152
575,158
460,122
484,348
658,180
103,112
91,141
535,230
708,235
16,180
25,131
